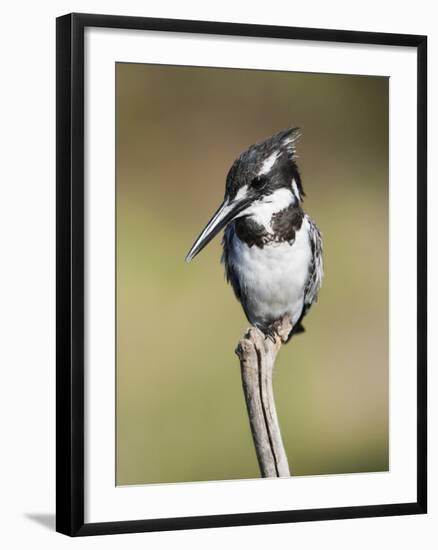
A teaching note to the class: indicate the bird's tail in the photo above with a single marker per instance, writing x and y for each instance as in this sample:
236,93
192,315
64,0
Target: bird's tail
297,329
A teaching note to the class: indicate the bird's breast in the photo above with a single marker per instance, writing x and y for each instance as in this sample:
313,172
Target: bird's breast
272,277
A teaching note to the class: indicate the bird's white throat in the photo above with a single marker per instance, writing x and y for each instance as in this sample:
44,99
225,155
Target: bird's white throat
261,211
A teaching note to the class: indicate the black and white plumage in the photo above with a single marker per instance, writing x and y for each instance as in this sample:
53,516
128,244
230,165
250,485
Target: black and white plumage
272,250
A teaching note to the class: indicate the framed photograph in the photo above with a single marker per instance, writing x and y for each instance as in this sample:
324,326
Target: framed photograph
232,197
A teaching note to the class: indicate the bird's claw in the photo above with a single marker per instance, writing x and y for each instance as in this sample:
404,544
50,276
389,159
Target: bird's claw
271,333
277,330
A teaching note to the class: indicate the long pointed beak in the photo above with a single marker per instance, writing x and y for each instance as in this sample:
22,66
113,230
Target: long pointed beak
226,212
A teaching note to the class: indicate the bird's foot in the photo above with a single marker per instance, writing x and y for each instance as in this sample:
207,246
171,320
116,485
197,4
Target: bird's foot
271,333
280,328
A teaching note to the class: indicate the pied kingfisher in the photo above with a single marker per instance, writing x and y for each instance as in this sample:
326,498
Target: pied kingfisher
272,250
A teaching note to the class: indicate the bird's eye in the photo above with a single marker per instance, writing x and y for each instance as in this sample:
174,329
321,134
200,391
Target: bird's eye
258,182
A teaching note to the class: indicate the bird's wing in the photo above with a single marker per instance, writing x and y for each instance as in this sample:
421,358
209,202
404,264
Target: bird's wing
316,271
230,272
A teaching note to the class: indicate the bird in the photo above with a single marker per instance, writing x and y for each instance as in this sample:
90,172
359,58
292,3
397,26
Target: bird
272,249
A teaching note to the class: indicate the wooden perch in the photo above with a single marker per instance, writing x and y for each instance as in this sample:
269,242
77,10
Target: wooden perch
257,355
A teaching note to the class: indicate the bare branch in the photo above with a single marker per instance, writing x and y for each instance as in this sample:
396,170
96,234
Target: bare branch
257,356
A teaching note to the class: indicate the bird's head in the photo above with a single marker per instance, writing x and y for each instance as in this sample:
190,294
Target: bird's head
264,177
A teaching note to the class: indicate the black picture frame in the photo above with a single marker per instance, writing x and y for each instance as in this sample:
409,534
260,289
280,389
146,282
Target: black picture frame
70,273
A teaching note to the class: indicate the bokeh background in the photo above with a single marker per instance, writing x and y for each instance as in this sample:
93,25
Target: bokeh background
181,414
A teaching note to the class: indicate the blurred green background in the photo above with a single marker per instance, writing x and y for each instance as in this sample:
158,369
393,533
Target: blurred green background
181,414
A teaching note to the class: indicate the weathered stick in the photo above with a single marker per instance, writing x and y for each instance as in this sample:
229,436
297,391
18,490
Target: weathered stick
257,356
